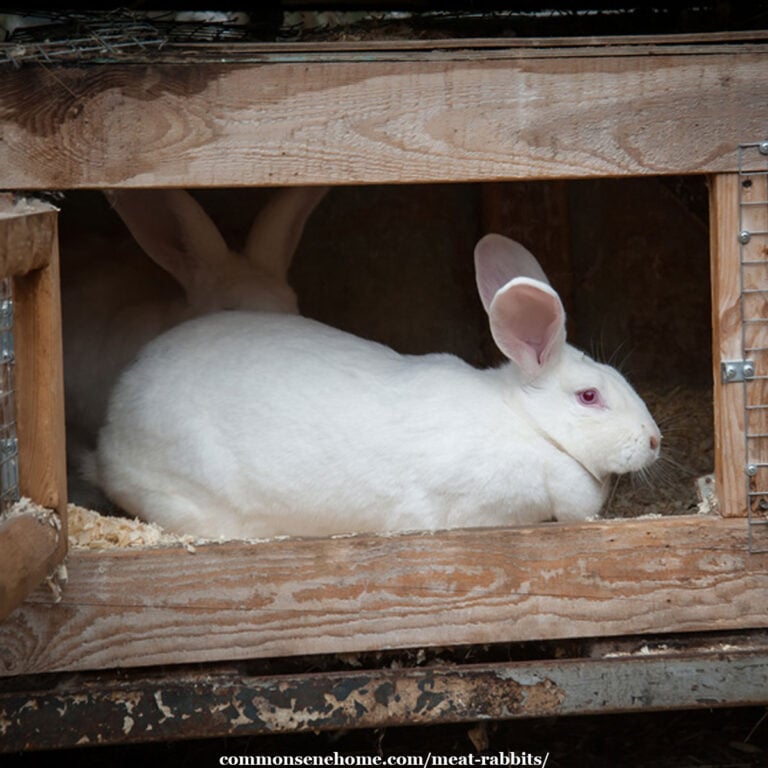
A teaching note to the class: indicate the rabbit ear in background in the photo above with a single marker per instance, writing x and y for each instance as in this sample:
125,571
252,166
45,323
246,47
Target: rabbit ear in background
173,230
499,260
279,226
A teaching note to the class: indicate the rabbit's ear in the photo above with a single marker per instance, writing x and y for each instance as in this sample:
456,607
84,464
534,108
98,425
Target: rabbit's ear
278,227
173,230
499,260
528,324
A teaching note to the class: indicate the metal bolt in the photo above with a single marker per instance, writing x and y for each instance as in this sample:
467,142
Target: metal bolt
744,236
751,470
748,370
730,371
763,147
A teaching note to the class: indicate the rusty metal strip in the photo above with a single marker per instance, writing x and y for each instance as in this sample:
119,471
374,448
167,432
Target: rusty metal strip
56,711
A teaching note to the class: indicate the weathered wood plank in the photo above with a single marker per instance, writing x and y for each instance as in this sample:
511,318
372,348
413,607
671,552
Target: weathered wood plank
740,332
29,549
99,709
39,382
290,597
728,398
380,121
563,46
27,235
754,257
29,546
392,49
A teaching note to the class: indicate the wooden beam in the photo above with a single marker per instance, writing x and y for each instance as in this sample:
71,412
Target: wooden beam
725,263
161,51
132,608
27,235
29,544
553,46
29,549
740,332
39,388
754,272
384,121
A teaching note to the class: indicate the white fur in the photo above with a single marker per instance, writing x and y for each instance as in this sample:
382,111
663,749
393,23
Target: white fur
246,424
116,303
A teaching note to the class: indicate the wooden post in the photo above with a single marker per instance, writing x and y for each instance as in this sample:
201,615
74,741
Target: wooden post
29,549
40,385
29,545
730,454
739,332
754,273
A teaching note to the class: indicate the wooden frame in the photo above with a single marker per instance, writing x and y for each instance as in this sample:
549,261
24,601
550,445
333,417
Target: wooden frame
30,545
360,593
270,118
287,116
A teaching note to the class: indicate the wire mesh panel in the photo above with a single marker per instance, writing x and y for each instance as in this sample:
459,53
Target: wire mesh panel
9,464
753,239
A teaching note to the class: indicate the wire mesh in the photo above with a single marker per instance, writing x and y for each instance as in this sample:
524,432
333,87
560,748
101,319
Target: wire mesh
76,37
122,35
753,245
9,454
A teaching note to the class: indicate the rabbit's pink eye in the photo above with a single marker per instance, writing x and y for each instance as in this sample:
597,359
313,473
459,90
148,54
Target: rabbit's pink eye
589,397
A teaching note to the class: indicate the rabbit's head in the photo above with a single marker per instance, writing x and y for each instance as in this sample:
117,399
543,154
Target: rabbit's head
584,408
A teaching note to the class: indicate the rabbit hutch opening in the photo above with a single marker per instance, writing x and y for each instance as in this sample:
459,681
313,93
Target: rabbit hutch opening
450,144
394,264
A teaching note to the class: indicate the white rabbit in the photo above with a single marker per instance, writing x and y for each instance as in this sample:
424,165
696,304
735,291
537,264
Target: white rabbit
113,306
255,424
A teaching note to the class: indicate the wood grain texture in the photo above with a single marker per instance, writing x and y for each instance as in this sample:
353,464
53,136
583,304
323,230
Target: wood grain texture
322,50
730,454
289,597
29,549
27,235
754,256
381,121
39,395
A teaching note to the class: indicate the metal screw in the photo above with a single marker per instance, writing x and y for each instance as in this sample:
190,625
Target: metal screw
763,147
749,370
744,236
730,371
751,470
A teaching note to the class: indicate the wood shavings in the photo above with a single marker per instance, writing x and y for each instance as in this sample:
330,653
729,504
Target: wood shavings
25,506
90,530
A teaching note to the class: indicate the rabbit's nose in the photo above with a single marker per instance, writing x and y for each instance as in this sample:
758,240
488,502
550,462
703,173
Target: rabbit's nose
655,441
